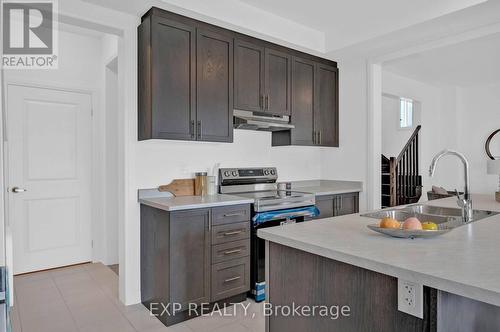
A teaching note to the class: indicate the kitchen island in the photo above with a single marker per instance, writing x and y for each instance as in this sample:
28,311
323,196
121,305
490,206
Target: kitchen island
340,262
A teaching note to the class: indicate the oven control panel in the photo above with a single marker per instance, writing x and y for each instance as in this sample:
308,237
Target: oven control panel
251,173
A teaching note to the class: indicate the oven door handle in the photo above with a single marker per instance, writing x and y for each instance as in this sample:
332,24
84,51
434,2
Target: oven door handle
310,211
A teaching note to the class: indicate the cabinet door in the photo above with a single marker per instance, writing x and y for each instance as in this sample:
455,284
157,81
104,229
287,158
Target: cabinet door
325,207
346,204
303,102
214,87
190,256
248,76
172,79
277,76
326,107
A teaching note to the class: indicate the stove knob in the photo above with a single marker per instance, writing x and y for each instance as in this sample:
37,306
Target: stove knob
273,172
234,173
227,173
266,172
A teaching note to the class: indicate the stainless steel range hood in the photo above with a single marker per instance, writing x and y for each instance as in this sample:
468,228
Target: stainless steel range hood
253,121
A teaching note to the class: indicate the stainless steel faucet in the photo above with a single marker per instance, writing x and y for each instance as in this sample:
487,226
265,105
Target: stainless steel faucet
465,203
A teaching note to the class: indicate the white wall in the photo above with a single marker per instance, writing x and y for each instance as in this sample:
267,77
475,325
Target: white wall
478,114
349,161
393,137
110,107
160,161
79,56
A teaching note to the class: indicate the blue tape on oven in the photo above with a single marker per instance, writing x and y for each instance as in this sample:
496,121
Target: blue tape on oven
262,217
260,291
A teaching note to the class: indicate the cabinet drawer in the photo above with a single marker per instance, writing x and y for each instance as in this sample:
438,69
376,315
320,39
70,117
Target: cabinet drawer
230,278
230,250
230,232
230,214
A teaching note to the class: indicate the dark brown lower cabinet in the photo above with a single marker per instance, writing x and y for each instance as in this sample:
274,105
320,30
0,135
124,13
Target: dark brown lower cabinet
190,256
325,206
337,205
372,299
370,296
186,261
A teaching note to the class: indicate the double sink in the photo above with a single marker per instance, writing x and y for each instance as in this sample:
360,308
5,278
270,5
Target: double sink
444,217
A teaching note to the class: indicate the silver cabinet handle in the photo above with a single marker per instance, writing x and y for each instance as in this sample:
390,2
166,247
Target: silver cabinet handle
192,128
237,214
232,279
319,137
232,233
199,129
267,102
210,220
230,252
261,102
18,190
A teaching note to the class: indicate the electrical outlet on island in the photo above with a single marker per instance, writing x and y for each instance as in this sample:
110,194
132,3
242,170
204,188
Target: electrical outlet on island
411,298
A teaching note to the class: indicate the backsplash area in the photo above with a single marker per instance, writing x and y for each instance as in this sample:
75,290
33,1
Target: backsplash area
160,161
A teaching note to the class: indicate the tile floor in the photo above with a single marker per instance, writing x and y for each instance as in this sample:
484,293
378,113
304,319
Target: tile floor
114,268
85,298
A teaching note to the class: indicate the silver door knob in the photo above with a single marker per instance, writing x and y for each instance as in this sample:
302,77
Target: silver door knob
18,190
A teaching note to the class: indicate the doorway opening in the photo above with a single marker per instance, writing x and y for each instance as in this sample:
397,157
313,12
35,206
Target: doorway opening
401,180
62,154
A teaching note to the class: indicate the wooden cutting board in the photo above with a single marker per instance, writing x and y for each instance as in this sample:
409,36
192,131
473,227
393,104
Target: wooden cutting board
179,187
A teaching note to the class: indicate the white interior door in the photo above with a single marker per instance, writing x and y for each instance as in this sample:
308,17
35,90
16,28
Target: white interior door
49,167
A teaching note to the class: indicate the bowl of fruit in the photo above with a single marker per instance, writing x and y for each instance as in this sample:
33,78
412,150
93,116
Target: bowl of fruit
410,228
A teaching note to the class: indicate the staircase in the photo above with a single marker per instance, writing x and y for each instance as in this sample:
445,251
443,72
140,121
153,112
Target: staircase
401,181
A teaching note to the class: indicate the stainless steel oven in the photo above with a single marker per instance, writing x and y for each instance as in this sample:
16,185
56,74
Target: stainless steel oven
271,207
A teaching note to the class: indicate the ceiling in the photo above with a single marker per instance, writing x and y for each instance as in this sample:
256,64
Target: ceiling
470,63
320,25
348,22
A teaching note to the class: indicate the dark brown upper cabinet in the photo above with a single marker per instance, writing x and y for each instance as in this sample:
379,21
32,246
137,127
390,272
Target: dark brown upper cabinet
326,119
262,79
185,82
314,106
248,76
303,102
167,79
214,87
277,73
192,75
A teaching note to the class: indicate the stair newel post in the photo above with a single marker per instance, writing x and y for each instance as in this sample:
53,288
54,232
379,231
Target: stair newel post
392,181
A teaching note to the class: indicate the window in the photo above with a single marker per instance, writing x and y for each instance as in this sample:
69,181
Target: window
405,113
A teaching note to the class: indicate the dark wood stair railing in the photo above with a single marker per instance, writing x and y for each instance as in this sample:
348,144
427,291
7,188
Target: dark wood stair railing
402,175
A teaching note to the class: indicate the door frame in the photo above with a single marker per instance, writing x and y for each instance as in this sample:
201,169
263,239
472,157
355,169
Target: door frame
95,149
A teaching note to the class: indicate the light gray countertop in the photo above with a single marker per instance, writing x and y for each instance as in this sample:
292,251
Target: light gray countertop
327,187
166,201
464,261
